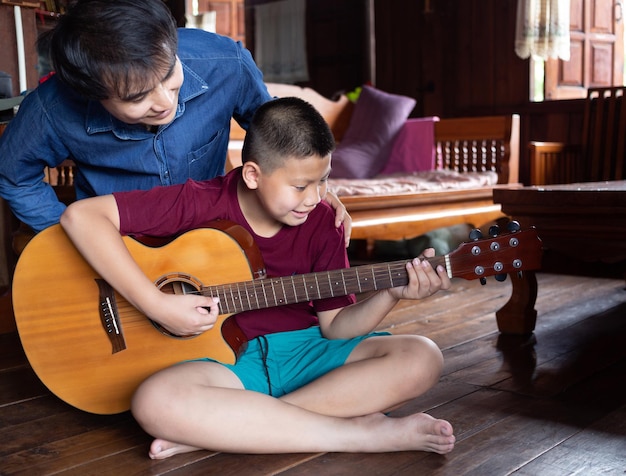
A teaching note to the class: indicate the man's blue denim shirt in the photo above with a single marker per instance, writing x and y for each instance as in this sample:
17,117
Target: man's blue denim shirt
53,124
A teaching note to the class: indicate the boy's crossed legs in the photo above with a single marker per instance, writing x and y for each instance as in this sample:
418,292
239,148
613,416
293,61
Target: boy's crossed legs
202,404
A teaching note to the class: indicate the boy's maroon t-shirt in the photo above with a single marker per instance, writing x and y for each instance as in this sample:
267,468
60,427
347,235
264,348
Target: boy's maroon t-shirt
316,245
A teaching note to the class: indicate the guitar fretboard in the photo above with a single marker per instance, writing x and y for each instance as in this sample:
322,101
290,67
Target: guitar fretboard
271,292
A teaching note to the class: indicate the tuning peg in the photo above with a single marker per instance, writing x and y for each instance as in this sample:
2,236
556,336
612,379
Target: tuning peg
513,226
475,234
483,280
500,277
494,230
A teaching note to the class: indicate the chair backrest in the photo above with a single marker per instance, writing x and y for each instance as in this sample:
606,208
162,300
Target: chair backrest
479,144
604,134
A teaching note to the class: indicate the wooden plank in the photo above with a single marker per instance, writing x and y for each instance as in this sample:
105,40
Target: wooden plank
43,421
20,384
72,452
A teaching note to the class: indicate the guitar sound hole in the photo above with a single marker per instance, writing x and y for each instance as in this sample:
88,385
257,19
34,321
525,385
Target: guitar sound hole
176,284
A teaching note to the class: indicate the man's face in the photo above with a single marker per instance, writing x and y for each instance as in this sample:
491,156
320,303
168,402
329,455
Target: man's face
154,107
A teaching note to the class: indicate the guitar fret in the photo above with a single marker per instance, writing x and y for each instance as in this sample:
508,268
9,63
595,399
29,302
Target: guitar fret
306,290
277,299
343,280
293,285
264,293
232,297
224,299
244,299
256,304
239,298
215,291
282,285
358,280
271,283
317,285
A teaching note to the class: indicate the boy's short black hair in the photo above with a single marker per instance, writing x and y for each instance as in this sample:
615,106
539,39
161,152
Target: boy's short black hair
113,48
287,127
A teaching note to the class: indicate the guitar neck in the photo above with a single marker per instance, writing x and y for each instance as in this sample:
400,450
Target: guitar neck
271,292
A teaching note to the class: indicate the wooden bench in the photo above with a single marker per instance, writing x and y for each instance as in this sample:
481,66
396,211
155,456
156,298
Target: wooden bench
463,144
601,155
476,144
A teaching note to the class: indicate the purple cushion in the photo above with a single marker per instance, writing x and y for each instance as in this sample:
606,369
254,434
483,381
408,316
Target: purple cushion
377,118
414,147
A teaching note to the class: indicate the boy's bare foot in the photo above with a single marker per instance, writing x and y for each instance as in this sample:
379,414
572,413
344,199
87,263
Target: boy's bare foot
429,434
162,449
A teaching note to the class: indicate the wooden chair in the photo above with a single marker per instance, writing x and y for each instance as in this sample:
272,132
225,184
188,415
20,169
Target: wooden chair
602,152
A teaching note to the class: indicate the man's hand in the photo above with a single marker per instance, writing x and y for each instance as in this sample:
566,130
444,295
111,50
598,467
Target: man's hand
341,215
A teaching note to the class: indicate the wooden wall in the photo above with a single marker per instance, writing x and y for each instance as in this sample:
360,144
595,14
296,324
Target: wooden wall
454,56
8,43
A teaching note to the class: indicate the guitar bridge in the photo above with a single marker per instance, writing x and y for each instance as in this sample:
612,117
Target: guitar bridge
109,316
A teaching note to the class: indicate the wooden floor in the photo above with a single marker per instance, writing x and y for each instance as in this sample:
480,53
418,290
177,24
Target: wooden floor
552,404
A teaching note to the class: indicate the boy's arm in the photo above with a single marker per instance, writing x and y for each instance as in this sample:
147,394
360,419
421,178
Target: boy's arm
93,226
364,316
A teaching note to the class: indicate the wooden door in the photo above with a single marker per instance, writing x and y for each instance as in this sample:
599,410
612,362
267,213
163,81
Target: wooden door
596,51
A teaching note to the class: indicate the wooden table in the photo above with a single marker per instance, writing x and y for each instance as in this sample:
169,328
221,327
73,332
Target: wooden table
577,223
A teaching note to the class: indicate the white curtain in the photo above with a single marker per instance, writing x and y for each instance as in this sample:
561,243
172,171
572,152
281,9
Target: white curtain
542,29
280,41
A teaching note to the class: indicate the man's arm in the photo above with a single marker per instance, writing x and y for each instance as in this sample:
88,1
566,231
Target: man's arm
37,206
27,147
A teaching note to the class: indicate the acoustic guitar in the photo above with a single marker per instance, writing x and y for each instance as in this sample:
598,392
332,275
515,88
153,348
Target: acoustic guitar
92,349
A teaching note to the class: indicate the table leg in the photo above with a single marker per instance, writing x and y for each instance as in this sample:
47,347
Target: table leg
518,315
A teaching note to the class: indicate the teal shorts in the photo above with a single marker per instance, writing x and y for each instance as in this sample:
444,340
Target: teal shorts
278,364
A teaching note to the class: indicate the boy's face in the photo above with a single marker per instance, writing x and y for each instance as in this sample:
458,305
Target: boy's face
154,107
293,190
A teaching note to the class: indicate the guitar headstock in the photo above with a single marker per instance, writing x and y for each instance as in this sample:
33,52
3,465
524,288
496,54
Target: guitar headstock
498,256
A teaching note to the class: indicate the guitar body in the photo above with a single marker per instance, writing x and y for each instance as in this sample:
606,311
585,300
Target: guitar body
56,303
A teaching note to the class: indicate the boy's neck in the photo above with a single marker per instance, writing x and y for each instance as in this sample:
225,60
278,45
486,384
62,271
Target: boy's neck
255,214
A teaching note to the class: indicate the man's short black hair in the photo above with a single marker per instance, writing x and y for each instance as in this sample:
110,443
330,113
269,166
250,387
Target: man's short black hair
113,48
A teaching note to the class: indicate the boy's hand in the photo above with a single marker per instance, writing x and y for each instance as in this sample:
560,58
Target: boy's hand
185,315
424,281
341,215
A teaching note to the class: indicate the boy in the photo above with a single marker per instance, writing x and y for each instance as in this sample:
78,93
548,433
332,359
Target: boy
314,377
